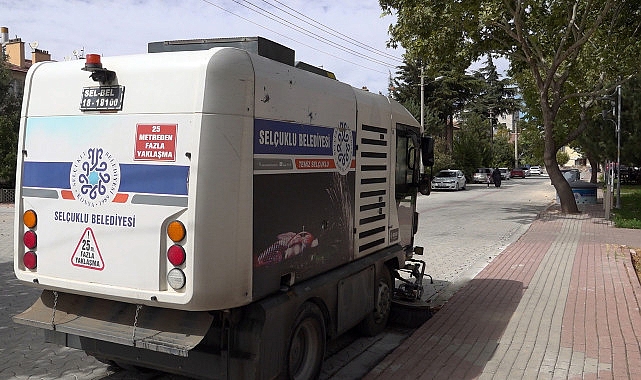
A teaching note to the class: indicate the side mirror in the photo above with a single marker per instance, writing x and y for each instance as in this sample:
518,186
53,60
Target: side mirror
427,151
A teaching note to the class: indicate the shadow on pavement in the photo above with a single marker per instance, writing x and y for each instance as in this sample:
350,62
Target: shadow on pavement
524,214
467,327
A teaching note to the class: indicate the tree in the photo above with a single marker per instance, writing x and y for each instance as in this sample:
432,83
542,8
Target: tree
564,51
497,96
562,157
472,148
9,127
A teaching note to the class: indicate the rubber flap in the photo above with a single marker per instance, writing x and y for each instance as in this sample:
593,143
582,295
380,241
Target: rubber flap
164,330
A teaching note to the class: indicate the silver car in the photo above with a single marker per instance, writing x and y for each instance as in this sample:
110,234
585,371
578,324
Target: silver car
449,179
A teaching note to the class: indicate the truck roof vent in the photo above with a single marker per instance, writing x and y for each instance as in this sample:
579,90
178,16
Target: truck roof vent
258,45
313,69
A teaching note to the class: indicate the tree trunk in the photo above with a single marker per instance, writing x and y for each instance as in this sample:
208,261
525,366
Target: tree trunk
449,134
594,164
563,189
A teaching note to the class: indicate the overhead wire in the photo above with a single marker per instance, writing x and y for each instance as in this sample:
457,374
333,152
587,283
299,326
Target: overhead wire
331,31
315,36
255,8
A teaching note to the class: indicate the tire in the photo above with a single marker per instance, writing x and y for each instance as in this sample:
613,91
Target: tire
457,187
306,344
376,321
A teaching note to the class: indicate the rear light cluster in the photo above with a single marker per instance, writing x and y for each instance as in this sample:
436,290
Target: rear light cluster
176,255
30,239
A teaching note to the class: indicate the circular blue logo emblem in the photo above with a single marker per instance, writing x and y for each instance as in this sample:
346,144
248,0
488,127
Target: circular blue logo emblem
95,177
342,149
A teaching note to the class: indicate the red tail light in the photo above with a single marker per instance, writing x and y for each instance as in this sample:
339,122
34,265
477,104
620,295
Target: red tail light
30,260
30,239
176,255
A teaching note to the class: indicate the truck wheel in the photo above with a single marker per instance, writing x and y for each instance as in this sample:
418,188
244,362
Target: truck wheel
306,344
376,321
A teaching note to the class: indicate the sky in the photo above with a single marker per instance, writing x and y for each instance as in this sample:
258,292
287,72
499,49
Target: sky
346,37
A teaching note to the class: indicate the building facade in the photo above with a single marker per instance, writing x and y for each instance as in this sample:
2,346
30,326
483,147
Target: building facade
13,51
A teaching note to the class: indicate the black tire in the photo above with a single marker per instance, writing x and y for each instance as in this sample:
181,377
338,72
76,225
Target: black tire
376,321
306,344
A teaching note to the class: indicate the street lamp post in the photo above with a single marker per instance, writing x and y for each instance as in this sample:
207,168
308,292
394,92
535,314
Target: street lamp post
423,96
617,128
422,101
516,139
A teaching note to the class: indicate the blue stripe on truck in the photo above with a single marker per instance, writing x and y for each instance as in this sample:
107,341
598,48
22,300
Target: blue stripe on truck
135,178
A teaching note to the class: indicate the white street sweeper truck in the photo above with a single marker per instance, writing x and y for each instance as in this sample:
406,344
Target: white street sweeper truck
212,208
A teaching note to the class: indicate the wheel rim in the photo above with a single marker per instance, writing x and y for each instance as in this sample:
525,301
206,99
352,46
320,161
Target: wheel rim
304,349
383,301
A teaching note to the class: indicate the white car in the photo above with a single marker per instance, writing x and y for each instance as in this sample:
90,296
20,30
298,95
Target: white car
535,170
449,179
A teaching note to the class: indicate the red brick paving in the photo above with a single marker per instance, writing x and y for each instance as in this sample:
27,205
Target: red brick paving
561,302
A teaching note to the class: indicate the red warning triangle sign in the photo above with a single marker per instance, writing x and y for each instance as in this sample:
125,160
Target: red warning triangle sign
87,253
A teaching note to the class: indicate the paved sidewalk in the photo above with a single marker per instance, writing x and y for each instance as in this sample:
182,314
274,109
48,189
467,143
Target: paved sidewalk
562,302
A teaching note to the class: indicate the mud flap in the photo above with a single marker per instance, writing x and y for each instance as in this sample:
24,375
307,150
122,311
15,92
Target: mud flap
170,331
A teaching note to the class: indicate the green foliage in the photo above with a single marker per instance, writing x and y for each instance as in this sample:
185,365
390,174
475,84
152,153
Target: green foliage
472,147
442,159
474,98
444,95
9,127
502,153
467,153
562,157
629,215
564,54
530,141
631,122
496,96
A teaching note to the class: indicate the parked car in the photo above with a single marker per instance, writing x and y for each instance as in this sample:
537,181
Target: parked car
535,170
449,179
517,172
482,175
505,173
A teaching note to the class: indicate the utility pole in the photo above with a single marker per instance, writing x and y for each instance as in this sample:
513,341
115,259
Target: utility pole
618,205
617,128
422,101
515,126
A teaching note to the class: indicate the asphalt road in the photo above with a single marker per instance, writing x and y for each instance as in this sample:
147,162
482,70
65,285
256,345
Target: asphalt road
461,232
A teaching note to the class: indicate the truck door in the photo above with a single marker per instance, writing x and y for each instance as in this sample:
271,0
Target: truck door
407,178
